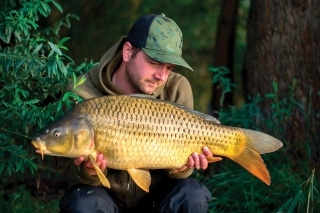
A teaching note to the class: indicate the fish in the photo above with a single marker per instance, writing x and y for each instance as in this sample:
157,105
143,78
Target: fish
137,133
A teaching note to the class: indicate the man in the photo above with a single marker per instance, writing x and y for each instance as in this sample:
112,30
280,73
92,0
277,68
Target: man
142,62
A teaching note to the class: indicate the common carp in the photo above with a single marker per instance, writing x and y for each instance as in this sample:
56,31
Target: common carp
138,132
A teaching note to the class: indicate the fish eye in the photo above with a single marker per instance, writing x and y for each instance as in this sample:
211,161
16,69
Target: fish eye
57,133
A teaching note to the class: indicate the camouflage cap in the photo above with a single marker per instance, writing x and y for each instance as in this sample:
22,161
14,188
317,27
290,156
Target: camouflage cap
159,37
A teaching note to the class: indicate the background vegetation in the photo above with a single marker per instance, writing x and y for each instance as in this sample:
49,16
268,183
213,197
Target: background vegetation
46,43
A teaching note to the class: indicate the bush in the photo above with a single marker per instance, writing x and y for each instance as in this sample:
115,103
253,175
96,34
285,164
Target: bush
33,73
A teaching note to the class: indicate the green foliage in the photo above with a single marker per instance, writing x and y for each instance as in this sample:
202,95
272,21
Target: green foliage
33,73
22,201
13,158
224,83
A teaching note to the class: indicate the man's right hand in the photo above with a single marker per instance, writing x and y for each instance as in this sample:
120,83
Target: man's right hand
101,161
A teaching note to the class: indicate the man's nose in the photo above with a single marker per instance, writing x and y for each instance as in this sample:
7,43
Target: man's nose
161,73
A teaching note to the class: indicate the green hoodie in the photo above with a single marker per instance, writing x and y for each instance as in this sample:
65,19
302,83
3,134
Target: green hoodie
98,83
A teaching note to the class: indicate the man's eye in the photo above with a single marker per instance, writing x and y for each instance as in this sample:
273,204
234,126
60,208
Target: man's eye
154,63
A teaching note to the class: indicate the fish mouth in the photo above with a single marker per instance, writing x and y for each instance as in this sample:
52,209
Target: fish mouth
43,150
40,148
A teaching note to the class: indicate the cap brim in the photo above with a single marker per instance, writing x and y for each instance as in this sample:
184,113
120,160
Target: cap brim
166,57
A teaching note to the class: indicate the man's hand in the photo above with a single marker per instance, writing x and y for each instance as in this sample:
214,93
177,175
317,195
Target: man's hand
198,161
101,161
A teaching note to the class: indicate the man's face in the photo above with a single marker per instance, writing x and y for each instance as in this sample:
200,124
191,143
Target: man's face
145,74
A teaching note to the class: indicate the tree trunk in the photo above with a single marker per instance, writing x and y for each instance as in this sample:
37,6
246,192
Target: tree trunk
283,45
224,48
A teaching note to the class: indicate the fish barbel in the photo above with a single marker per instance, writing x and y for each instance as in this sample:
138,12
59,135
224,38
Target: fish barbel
138,132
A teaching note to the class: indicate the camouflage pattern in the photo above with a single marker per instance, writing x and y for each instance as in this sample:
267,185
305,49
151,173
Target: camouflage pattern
159,37
165,42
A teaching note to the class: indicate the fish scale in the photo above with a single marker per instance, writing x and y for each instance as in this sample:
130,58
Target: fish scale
169,135
137,132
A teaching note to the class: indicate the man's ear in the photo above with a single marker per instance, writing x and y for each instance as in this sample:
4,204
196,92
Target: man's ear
126,51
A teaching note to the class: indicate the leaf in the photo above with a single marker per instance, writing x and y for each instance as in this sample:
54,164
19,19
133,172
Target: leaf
33,24
33,101
214,69
7,63
284,206
81,81
44,6
270,95
36,50
62,67
63,40
10,169
63,47
2,165
55,48
20,62
69,59
57,6
20,166
50,53
295,202
8,32
73,16
32,166
24,93
59,105
76,97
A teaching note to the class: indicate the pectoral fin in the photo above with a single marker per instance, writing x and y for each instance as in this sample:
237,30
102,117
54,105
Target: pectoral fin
141,177
213,159
100,174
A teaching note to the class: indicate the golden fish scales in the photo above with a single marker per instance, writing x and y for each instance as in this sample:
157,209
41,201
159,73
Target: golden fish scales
155,135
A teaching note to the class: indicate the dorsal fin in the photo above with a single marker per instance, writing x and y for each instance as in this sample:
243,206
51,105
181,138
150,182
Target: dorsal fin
202,115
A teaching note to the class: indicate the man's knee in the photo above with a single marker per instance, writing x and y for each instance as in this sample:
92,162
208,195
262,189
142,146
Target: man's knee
194,189
87,199
187,195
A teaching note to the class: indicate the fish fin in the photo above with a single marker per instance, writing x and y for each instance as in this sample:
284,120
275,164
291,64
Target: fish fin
251,160
213,159
262,142
100,174
141,177
257,143
200,114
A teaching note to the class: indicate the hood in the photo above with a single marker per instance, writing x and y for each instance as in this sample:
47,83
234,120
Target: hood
102,76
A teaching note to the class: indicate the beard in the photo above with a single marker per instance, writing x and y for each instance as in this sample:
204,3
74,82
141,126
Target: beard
137,81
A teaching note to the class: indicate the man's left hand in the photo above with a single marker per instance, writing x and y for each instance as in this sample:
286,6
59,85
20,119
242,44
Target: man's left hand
196,160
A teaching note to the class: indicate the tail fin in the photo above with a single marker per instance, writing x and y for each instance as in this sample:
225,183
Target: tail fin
257,143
